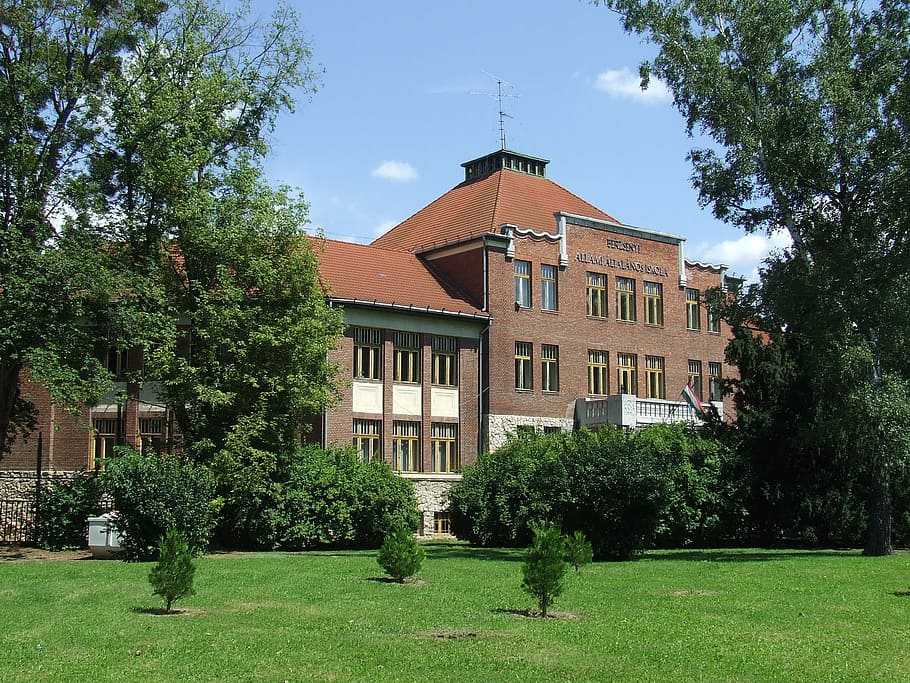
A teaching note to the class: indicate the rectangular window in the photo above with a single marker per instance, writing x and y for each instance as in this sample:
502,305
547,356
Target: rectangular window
597,372
654,303
367,353
654,377
715,382
523,365
406,366
406,446
695,377
596,293
442,524
713,320
548,288
523,283
151,434
693,310
445,361
368,439
444,447
627,373
104,440
625,299
549,367
116,362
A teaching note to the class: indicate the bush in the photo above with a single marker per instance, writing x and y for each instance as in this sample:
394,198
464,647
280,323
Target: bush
172,577
64,509
578,550
153,494
544,566
332,498
400,555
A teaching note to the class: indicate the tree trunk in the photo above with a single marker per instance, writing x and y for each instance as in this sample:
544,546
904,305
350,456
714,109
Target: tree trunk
9,397
878,531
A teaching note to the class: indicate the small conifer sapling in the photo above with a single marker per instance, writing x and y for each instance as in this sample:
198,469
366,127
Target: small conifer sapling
544,566
172,577
578,550
400,555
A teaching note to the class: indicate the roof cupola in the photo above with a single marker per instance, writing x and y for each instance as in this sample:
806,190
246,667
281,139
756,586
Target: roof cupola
507,160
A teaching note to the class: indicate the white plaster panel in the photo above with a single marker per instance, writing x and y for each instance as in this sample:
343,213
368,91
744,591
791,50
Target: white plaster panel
366,397
406,400
443,402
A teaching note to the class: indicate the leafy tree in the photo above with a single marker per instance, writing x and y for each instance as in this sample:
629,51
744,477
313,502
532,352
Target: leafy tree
159,492
63,510
400,555
804,104
544,566
172,577
578,550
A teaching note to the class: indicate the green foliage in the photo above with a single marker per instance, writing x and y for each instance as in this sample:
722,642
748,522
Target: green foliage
544,566
172,577
400,555
664,484
316,498
153,494
64,509
578,550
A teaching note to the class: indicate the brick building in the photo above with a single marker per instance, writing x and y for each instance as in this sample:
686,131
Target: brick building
506,304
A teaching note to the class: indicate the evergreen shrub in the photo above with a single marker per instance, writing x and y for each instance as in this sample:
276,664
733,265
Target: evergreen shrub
544,566
400,556
63,511
172,577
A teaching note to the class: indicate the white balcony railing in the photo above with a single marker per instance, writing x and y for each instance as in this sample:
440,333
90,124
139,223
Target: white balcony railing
629,411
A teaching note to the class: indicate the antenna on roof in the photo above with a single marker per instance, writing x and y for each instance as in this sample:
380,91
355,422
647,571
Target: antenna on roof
499,95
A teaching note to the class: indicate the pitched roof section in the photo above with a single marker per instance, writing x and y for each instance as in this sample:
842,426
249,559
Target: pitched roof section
370,275
478,207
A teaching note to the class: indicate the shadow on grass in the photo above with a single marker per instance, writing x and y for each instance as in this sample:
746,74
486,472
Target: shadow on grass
736,555
456,550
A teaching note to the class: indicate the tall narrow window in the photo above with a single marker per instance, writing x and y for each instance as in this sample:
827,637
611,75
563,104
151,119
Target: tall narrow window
116,362
596,293
549,367
654,377
523,365
627,373
445,361
713,319
597,372
151,435
695,377
548,289
442,523
368,439
654,303
444,447
715,382
406,446
523,283
367,353
407,357
693,310
625,299
104,441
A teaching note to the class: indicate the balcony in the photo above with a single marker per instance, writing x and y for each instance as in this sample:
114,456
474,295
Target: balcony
627,411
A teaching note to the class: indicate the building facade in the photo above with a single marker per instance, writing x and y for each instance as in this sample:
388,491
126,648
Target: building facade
506,304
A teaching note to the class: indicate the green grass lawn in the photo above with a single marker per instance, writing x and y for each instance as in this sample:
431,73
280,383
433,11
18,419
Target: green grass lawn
738,615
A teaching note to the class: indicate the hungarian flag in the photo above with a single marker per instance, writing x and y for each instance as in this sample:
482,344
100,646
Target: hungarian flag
689,396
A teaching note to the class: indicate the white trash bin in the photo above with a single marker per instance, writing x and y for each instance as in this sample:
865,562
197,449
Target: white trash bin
103,537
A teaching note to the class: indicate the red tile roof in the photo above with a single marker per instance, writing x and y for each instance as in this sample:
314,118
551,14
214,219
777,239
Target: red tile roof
366,274
478,207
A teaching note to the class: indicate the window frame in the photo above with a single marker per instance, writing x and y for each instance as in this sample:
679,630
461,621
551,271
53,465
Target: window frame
549,287
522,274
653,303
524,372
367,347
598,372
445,361
406,357
694,377
105,435
625,299
549,368
693,309
595,294
444,447
405,446
715,381
627,373
655,380
371,439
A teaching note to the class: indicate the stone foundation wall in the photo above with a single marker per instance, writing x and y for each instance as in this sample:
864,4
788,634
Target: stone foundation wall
20,485
498,427
431,495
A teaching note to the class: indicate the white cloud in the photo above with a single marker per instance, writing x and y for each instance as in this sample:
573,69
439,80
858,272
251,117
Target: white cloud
396,171
623,83
743,255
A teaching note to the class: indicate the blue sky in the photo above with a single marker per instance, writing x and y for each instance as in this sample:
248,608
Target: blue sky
406,98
